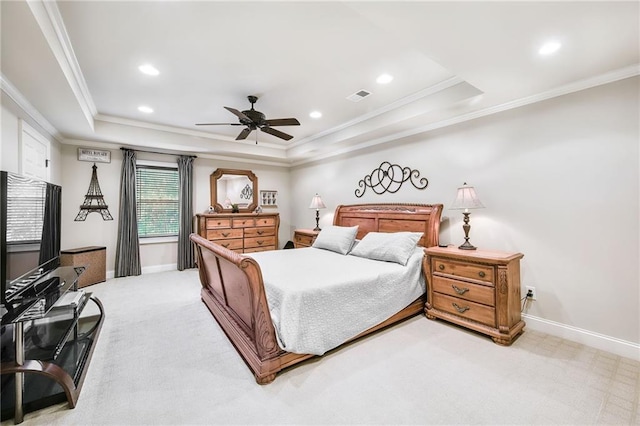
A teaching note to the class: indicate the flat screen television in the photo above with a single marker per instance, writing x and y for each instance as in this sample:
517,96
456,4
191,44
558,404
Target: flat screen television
30,221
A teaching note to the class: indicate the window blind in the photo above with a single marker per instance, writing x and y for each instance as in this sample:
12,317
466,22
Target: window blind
25,210
157,194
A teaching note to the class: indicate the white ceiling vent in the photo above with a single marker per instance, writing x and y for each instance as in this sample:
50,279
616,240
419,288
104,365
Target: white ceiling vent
359,95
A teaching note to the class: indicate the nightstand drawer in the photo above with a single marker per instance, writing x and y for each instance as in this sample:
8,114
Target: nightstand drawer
464,270
257,249
259,242
221,234
259,232
465,290
464,308
218,223
230,244
304,240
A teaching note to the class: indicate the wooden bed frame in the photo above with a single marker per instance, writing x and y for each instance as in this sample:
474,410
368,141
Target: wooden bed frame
233,289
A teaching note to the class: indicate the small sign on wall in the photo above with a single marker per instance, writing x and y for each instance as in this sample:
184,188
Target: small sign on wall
94,155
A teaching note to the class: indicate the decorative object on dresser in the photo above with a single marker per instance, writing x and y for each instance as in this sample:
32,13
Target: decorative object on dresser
317,203
304,237
92,258
466,199
479,290
232,186
389,178
269,198
241,232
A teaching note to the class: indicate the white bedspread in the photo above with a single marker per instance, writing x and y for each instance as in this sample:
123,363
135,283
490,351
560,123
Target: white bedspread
319,299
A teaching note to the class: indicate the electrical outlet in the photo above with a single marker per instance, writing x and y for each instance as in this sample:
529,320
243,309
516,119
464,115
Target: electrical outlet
531,290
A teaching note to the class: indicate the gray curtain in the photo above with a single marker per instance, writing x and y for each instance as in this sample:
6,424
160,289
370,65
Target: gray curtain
185,178
128,250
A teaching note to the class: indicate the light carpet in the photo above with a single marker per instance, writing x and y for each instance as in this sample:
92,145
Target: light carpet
162,359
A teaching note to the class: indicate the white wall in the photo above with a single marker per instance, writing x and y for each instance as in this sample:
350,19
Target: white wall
559,180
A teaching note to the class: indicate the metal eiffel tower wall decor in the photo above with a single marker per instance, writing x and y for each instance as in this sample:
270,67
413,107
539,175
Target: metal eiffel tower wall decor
94,195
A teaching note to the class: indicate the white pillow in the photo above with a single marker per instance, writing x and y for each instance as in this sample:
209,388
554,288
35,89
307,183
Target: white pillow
336,238
388,246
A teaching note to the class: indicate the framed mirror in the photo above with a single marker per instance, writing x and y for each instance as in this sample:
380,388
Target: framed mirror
231,187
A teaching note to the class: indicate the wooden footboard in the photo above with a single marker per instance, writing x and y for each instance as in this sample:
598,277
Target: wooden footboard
233,288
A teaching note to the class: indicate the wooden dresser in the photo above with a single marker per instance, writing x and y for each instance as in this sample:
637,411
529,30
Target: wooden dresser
241,232
304,237
477,289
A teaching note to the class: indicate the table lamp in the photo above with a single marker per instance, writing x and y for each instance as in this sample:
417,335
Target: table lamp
466,199
316,203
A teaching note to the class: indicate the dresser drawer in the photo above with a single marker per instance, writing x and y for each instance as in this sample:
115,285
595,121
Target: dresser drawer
304,240
257,249
463,270
265,221
221,234
464,308
465,290
246,222
259,232
259,242
213,223
235,244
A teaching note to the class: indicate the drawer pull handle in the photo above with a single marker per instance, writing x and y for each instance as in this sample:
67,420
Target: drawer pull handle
225,234
260,232
441,266
459,290
219,223
260,242
482,274
225,245
459,309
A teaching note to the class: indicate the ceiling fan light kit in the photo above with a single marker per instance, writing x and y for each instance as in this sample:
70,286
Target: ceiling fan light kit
256,120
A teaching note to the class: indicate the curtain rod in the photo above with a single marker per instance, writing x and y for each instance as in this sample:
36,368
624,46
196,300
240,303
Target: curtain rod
156,152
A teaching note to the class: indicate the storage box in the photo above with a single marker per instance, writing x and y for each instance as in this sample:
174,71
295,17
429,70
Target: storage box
93,258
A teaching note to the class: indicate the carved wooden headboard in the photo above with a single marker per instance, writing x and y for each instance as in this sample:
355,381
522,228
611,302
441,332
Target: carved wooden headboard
423,218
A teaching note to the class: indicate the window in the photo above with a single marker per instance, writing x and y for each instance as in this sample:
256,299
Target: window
25,209
157,193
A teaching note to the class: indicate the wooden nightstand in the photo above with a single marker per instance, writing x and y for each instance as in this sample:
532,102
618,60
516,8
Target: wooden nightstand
304,237
477,289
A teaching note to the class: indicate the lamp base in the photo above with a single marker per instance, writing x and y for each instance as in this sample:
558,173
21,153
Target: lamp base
317,229
467,246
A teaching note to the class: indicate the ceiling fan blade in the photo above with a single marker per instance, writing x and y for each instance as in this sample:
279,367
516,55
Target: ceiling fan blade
243,134
276,133
239,114
219,124
283,122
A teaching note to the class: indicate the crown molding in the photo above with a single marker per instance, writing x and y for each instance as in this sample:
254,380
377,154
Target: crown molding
51,25
610,77
445,84
179,130
10,90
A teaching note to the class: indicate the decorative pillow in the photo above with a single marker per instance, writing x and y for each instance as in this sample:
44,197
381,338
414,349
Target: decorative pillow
336,238
388,246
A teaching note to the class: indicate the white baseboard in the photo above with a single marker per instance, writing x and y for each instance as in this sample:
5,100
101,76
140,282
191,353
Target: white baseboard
150,269
585,337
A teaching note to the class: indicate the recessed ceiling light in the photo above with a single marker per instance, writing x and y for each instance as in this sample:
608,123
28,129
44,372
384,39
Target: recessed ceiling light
148,69
145,109
384,79
549,48
315,114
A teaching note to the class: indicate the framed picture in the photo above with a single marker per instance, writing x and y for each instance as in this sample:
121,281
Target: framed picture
268,199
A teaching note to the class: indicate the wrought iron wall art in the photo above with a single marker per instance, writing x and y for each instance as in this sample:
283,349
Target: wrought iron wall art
94,195
247,192
389,178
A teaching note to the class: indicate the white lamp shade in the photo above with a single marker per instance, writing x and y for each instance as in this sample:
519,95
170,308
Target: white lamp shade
316,203
466,199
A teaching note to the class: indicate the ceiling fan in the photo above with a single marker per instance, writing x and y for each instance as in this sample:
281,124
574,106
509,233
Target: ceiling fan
255,120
